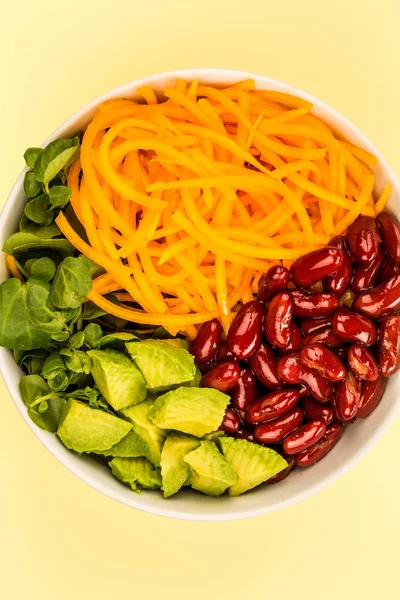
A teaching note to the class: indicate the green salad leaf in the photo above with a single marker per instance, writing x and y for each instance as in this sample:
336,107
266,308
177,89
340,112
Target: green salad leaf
21,242
32,186
59,196
31,156
71,284
57,156
43,268
44,405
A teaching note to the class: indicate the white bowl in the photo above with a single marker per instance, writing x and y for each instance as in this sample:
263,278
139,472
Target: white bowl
355,442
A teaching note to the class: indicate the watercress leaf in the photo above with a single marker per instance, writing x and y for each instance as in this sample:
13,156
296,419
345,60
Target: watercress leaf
59,196
53,366
35,365
43,268
39,211
50,419
117,340
31,155
91,311
41,311
77,340
41,231
43,406
79,379
60,336
71,284
32,186
21,242
93,335
60,178
32,387
86,261
60,382
17,331
71,315
56,156
78,361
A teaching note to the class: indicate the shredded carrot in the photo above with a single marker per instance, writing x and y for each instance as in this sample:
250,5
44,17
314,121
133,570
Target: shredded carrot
12,267
187,201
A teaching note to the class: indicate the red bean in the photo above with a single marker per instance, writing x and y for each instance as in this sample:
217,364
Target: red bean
363,239
292,371
231,422
205,344
381,300
278,319
245,391
291,465
245,434
389,345
324,361
313,305
276,279
339,282
389,228
365,275
341,351
323,336
304,437
315,453
263,364
271,405
371,395
388,270
296,338
244,335
224,353
352,327
314,410
362,363
208,366
308,326
347,398
222,377
274,431
307,270
303,390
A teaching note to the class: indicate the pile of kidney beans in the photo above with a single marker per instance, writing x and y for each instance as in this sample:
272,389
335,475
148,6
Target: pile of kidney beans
313,351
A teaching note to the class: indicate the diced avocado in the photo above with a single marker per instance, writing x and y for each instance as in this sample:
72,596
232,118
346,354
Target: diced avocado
86,429
196,380
214,435
117,377
131,446
252,463
163,365
174,470
211,472
196,411
176,342
152,435
139,473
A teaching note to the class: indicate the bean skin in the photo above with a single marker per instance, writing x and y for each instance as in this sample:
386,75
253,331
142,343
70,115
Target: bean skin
362,363
339,282
292,371
304,437
275,431
389,228
380,300
313,305
389,345
271,405
275,280
352,327
278,320
231,422
222,377
324,361
371,395
224,353
283,474
309,326
365,275
263,364
314,410
324,336
296,338
309,457
387,271
347,398
205,344
307,270
245,390
363,239
244,335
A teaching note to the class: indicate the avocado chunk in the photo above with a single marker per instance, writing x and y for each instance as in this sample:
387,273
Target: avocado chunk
117,377
196,380
131,446
176,342
86,429
139,473
196,411
174,470
152,435
211,472
252,463
162,364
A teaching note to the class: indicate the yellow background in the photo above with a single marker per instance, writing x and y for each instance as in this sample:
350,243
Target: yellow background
60,539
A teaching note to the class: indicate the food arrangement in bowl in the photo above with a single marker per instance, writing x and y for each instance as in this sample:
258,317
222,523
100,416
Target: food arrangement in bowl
203,288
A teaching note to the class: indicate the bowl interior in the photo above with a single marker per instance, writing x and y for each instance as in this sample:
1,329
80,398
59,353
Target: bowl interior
190,505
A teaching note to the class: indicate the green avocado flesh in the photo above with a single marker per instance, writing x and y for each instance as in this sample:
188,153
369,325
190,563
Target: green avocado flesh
174,470
131,446
152,435
139,473
211,472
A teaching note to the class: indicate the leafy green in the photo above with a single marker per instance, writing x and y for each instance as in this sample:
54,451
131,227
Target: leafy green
32,186
117,340
21,242
93,335
77,340
56,156
60,336
41,311
38,210
44,406
72,283
31,155
59,196
76,360
43,268
43,232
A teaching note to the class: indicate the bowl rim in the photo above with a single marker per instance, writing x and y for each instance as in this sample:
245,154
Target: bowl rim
226,75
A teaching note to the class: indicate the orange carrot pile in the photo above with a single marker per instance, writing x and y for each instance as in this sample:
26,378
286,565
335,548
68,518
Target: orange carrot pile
187,201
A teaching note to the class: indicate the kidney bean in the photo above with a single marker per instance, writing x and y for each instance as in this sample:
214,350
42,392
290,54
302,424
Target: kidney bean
271,405
381,300
371,395
263,364
365,275
341,351
296,338
278,319
314,410
315,453
304,437
363,239
323,336
245,391
347,397
313,305
292,371
307,270
324,361
362,363
244,335
308,326
245,434
224,353
274,431
276,279
222,377
283,474
388,270
389,228
339,282
205,344
389,345
352,327
208,366
231,422
303,390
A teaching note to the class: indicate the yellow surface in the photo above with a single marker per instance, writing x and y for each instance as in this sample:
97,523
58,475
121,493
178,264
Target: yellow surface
59,539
